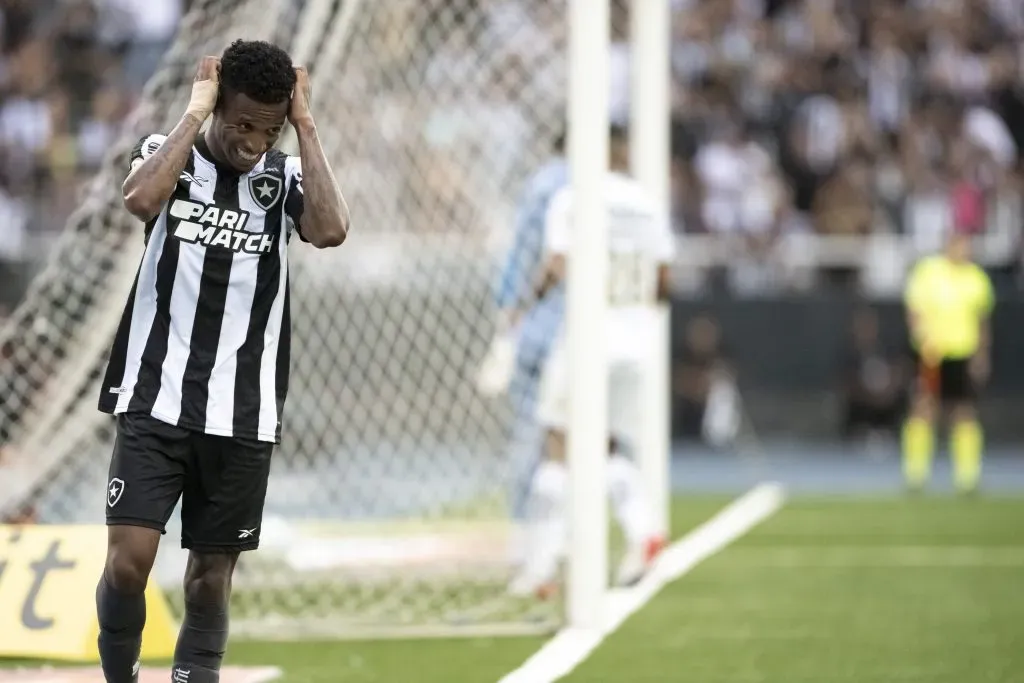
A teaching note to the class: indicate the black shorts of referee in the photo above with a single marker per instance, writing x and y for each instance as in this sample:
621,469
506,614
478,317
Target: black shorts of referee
956,385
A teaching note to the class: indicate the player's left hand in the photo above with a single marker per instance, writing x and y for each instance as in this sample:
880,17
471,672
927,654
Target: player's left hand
299,112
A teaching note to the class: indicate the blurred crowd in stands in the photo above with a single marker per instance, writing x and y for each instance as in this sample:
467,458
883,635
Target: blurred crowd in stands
814,142
70,71
866,119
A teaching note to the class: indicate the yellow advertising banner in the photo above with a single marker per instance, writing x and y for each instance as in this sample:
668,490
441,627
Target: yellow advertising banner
48,577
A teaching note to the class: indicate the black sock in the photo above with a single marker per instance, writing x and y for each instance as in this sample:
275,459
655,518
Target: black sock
201,643
122,617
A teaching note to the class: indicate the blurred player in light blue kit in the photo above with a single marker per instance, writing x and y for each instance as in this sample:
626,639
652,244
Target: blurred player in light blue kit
640,249
524,361
527,326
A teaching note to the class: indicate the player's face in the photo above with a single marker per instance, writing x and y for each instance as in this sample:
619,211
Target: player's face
244,129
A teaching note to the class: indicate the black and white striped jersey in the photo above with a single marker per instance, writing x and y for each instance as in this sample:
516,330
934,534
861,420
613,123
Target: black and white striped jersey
204,340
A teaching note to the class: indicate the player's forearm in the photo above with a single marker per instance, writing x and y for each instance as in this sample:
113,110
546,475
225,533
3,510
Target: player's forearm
150,185
552,274
325,216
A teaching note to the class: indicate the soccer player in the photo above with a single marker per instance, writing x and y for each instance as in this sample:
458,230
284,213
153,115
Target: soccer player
528,322
198,372
948,301
641,247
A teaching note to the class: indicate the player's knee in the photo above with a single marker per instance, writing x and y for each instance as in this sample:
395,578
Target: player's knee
127,571
208,578
130,555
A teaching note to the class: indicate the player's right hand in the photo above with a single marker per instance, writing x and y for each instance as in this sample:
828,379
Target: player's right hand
205,88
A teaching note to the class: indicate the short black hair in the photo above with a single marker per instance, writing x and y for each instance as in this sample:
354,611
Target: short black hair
259,70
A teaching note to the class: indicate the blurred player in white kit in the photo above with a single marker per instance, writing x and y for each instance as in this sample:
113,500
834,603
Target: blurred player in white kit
640,249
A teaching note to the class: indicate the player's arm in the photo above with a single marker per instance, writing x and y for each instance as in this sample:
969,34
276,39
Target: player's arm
982,363
663,246
551,274
323,219
153,177
557,225
913,301
515,285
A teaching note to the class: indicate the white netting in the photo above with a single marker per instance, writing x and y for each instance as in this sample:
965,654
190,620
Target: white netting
387,504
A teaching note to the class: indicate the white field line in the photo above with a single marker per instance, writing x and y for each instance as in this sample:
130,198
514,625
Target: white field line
880,556
571,646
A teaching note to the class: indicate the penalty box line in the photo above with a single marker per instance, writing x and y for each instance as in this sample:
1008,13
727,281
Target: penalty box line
571,646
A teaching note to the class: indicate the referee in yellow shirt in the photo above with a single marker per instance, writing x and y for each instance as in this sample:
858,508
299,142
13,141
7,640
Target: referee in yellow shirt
948,300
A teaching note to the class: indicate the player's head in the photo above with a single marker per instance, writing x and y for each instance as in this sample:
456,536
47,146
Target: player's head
256,83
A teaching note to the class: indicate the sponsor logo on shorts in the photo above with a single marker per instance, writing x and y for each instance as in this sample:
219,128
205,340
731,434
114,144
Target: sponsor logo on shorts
247,533
181,675
115,489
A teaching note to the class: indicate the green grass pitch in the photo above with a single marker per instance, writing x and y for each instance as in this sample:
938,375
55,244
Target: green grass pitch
828,590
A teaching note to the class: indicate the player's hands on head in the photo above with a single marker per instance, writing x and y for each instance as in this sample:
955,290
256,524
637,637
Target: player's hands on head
205,88
299,112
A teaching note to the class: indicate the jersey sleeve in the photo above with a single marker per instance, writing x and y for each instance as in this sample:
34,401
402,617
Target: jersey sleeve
558,223
294,201
144,149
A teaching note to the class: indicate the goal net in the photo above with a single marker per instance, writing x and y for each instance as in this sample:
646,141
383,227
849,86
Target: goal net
387,510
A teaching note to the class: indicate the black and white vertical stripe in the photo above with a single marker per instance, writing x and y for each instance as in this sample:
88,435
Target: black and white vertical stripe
204,339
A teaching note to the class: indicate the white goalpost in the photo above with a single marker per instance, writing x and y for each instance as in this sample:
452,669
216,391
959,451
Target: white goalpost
586,305
650,148
388,511
586,311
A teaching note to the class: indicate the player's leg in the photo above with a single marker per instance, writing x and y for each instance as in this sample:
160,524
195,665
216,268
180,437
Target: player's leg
918,438
966,439
222,511
204,628
526,452
146,478
630,502
546,533
548,530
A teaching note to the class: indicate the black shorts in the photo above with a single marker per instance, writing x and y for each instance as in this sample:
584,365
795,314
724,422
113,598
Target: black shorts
222,482
954,379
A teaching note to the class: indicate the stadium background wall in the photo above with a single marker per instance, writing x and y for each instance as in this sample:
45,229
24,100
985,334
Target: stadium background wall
787,352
